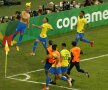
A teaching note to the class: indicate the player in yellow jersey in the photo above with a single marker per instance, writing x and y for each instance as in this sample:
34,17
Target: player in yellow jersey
66,57
56,68
43,35
80,29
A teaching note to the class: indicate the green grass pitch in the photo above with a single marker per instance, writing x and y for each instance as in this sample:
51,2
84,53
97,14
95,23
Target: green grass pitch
22,62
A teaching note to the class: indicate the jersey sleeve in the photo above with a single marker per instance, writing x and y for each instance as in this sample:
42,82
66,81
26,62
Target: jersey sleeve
85,21
49,26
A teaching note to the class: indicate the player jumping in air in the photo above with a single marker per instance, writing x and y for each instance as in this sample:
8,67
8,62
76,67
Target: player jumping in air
80,29
75,56
22,25
56,69
43,35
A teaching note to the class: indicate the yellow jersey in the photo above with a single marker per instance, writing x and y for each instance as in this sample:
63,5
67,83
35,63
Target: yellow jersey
57,59
80,24
45,28
65,54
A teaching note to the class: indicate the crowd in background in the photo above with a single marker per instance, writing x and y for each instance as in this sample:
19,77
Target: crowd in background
51,8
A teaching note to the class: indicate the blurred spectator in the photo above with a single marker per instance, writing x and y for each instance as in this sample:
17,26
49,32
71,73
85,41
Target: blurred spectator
40,10
66,5
88,3
51,7
96,2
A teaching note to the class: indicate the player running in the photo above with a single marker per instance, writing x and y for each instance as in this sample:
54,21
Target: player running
75,55
49,60
22,25
43,35
65,58
56,69
80,29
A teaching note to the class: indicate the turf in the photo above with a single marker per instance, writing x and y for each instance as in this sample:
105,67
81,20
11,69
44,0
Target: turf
21,62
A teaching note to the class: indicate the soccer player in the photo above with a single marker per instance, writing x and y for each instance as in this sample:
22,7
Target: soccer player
80,29
22,25
65,56
75,55
43,35
49,61
56,68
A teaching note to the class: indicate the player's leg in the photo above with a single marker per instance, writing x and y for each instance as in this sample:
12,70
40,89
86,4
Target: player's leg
85,40
70,67
77,65
63,78
44,42
64,72
35,44
48,79
77,37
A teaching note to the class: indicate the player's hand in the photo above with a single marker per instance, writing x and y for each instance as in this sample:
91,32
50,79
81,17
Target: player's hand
83,30
33,25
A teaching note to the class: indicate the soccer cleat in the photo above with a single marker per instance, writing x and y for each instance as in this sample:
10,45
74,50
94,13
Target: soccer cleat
53,83
45,88
69,82
72,81
17,48
32,54
91,43
87,74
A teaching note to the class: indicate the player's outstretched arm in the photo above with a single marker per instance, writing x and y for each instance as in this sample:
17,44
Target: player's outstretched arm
36,26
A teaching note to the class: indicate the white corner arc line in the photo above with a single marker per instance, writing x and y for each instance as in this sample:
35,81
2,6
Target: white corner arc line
43,83
10,77
81,61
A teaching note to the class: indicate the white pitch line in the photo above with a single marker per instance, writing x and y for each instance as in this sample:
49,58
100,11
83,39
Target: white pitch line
10,77
42,83
43,69
94,58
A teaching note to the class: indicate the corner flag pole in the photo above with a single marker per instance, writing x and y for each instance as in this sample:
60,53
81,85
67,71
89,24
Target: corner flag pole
6,59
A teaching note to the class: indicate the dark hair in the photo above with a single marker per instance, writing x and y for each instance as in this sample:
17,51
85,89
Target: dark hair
47,19
50,42
64,44
74,43
83,12
54,47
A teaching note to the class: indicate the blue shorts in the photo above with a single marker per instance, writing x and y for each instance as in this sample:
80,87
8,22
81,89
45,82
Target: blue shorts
54,70
64,69
21,27
80,35
47,66
42,39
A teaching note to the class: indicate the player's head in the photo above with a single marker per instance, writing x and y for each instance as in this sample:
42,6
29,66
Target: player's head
28,7
45,20
82,13
63,45
54,47
50,42
74,43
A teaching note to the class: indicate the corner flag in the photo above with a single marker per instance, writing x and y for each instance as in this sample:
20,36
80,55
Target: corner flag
7,51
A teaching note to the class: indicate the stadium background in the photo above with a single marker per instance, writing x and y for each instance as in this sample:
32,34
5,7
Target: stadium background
23,62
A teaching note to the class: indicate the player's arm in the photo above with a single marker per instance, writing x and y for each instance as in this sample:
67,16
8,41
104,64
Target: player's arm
40,27
81,52
28,22
71,56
